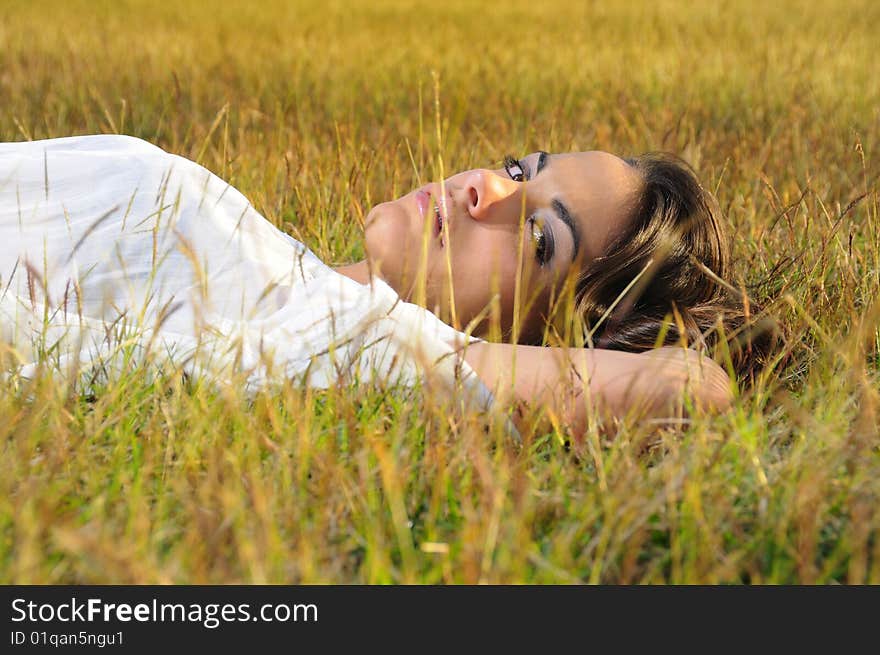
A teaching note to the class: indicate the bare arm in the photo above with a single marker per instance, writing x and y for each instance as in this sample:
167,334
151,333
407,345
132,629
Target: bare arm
567,382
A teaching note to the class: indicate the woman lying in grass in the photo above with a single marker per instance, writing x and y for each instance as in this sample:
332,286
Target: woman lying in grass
556,277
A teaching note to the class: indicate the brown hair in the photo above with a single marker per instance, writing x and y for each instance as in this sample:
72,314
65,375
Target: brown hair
666,277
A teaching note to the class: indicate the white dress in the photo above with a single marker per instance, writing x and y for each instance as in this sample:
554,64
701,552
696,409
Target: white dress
111,247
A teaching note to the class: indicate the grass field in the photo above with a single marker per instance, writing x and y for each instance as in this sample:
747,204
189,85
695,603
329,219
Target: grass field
316,111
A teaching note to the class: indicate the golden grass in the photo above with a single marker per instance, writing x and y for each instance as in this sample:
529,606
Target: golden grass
312,111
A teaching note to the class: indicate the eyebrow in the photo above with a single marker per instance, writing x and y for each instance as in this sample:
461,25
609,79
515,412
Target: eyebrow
560,208
565,217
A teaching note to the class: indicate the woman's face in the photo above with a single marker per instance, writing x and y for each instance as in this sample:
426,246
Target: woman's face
539,219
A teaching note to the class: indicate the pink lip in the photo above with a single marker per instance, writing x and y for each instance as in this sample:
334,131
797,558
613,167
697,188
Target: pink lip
423,201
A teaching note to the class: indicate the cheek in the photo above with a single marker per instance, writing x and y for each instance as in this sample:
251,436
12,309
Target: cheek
483,266
481,260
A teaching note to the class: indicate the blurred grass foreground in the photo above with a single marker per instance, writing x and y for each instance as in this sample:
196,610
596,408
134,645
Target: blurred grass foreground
316,111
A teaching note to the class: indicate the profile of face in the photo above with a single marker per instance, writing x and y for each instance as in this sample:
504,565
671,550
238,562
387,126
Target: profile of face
485,241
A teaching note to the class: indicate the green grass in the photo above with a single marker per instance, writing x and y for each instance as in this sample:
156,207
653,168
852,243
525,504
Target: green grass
316,111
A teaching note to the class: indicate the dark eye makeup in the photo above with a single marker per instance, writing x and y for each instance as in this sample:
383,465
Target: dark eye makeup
539,232
516,168
542,236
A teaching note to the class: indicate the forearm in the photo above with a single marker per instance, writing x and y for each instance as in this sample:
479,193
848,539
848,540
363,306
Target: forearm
569,384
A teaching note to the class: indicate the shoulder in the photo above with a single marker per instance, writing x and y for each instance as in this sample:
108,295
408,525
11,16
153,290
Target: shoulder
87,143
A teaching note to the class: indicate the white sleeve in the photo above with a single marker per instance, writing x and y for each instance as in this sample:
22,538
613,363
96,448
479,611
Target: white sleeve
112,226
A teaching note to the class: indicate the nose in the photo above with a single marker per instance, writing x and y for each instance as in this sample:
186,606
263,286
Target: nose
485,193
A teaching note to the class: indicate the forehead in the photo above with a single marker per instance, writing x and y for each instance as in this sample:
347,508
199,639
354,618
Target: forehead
600,191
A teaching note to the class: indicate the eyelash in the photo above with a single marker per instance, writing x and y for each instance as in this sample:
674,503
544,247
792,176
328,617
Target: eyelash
541,240
512,162
542,251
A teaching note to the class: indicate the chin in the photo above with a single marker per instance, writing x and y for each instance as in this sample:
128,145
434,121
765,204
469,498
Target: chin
388,245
